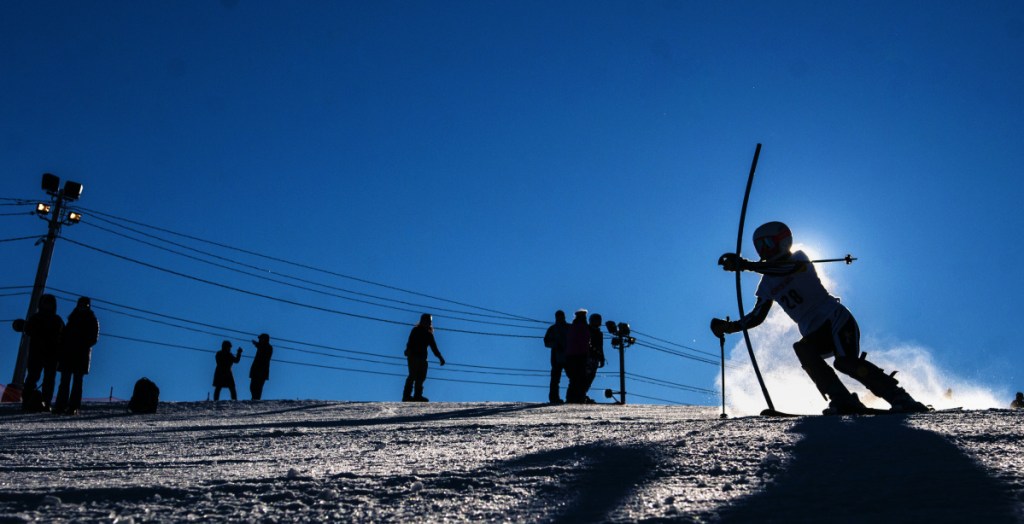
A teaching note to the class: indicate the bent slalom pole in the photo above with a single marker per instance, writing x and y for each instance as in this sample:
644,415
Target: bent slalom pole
739,287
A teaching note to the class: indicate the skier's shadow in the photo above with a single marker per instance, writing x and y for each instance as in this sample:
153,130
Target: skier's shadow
875,469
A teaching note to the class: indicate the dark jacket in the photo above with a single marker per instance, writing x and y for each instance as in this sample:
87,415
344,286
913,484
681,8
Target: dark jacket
557,336
44,330
596,344
419,340
80,335
222,376
578,343
260,369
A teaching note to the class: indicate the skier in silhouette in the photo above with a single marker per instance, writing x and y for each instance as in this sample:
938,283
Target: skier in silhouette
827,327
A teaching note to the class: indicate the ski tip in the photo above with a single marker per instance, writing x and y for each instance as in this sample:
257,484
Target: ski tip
775,413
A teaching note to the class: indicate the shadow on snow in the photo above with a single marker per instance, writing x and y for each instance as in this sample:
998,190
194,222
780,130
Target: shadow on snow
875,469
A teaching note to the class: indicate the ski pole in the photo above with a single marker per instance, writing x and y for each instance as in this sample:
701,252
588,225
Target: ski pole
721,344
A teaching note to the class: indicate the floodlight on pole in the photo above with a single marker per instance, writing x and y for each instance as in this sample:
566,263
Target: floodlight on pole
56,215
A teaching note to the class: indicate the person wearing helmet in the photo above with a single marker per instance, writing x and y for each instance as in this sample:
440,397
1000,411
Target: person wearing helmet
827,327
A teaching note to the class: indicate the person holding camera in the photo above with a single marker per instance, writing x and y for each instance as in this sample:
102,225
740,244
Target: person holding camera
222,376
259,372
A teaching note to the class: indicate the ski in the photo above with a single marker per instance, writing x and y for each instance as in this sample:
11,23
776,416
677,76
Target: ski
866,412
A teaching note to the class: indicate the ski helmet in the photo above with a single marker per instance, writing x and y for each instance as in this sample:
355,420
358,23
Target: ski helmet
772,240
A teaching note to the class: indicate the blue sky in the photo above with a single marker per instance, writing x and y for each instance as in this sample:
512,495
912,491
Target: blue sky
515,156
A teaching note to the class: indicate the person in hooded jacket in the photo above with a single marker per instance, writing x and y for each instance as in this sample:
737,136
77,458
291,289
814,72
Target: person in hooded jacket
556,338
80,335
222,376
576,351
420,338
259,372
44,329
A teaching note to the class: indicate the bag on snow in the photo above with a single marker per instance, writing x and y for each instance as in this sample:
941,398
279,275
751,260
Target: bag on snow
145,397
32,401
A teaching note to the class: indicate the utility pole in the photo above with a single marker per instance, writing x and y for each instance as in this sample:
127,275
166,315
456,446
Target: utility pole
620,341
59,215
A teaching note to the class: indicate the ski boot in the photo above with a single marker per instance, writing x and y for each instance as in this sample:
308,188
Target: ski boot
845,405
902,402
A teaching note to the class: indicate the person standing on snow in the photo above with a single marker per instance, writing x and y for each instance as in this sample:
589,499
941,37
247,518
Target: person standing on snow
555,338
259,372
421,338
80,335
222,376
827,327
576,350
44,329
595,357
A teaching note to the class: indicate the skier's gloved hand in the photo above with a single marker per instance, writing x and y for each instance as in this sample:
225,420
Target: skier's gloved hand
441,359
734,262
721,327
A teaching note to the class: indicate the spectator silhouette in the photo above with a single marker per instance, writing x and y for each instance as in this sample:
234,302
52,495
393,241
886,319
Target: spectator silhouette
259,372
421,337
556,338
595,358
576,350
1018,401
44,330
80,335
222,376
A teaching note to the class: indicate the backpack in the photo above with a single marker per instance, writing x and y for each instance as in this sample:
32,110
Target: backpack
145,397
32,401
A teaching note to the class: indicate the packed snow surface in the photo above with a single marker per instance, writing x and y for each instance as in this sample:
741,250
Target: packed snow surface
377,462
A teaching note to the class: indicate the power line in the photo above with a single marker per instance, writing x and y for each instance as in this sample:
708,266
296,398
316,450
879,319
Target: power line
313,290
19,238
668,384
382,373
490,370
309,267
282,300
220,334
112,219
652,337
677,353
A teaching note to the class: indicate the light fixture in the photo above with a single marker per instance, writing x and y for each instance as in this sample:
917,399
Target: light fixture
72,190
74,217
42,209
51,183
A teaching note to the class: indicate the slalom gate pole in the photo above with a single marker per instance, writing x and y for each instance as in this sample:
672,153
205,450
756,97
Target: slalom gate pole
721,344
739,287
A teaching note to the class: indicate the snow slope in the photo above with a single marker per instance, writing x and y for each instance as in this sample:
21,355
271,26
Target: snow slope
334,461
